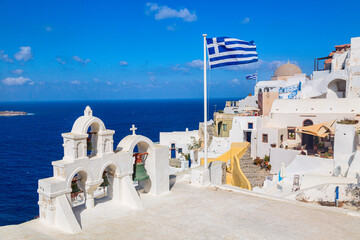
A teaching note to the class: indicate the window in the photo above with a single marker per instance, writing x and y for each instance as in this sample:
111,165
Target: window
250,125
224,127
291,133
281,138
173,145
264,138
180,150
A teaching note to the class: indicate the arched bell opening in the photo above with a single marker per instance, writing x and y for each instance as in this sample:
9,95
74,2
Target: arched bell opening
140,176
105,190
78,191
92,139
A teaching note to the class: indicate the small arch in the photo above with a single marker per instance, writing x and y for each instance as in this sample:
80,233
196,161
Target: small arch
107,174
92,139
114,167
143,144
336,89
78,190
82,124
80,150
89,177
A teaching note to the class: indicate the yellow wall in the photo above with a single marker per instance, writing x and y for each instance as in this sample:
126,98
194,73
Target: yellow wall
234,174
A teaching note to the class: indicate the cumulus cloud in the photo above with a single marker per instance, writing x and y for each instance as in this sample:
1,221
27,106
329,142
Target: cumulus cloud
75,82
10,81
24,54
163,12
5,57
17,71
48,28
61,61
123,63
246,20
80,60
198,64
179,68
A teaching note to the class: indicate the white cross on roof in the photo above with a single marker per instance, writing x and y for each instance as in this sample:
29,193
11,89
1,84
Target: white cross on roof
133,129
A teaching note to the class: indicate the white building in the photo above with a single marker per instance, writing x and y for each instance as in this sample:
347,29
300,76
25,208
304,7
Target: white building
179,142
91,169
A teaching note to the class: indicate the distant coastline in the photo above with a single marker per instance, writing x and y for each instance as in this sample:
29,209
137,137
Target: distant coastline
11,113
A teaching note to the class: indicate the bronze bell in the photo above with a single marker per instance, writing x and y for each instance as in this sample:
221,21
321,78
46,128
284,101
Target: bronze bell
140,173
89,145
106,182
75,188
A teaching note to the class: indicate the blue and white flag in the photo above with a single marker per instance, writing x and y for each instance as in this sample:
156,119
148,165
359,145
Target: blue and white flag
225,51
251,76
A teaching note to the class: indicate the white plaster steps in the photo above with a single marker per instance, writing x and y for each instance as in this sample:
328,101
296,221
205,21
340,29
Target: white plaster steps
254,174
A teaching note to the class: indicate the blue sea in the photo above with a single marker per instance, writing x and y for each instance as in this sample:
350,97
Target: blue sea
28,144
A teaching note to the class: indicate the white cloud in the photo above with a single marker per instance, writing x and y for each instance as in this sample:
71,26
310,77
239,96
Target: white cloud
246,20
163,12
10,81
123,63
61,61
48,28
235,81
96,80
199,64
109,83
179,68
5,57
80,60
75,82
24,54
17,71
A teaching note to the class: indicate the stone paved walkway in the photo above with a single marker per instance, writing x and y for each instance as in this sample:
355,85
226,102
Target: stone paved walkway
189,212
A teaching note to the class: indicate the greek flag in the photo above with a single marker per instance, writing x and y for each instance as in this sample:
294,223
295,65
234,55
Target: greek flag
225,51
251,76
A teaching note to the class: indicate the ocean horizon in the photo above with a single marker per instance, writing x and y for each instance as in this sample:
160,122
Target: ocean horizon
30,143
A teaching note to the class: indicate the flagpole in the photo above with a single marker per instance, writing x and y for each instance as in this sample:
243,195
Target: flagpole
205,107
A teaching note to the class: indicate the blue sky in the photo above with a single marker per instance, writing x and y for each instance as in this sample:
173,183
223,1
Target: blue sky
93,50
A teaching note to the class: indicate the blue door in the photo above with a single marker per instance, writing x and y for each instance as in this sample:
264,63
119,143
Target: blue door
173,153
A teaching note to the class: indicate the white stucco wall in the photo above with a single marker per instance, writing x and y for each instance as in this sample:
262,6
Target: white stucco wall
181,140
294,112
344,146
303,164
279,156
240,127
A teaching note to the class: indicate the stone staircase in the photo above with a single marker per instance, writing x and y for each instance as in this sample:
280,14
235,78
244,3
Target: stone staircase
254,174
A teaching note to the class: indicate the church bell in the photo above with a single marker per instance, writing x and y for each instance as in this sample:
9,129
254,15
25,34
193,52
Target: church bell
106,182
89,145
140,173
75,188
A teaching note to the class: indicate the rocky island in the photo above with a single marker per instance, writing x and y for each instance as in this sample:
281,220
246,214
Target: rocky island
11,113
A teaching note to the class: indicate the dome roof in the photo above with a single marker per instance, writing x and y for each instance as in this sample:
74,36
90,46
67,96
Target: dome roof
287,69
